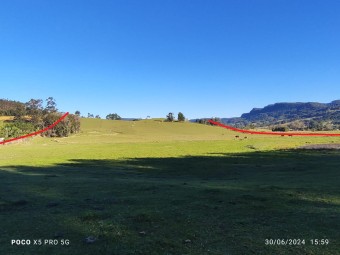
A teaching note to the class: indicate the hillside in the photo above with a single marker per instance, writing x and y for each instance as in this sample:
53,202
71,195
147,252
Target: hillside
149,186
10,107
147,130
296,115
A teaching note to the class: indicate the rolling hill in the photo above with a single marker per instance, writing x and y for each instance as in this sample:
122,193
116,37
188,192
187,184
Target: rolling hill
152,187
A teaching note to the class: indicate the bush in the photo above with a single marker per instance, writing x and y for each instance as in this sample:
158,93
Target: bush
15,129
69,125
38,118
280,129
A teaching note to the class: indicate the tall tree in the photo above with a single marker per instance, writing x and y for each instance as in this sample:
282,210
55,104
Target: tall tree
35,110
170,117
20,112
34,105
51,105
180,117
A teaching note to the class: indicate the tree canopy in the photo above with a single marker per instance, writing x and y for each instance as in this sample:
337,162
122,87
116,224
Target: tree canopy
33,116
113,116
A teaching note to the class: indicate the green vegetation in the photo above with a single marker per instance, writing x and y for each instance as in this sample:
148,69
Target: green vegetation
180,117
32,116
153,187
113,116
170,117
295,116
10,108
15,129
280,129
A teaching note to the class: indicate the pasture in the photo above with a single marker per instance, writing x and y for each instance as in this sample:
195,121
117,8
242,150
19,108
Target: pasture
150,187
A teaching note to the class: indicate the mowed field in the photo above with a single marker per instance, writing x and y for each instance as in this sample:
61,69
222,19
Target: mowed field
151,187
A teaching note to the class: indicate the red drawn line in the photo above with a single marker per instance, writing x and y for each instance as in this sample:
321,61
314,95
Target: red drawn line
38,132
269,133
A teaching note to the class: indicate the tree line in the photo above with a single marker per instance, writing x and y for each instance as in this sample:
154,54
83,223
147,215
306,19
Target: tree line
35,115
170,117
110,116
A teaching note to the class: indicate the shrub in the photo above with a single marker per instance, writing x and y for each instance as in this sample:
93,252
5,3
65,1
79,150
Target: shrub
69,125
15,129
280,129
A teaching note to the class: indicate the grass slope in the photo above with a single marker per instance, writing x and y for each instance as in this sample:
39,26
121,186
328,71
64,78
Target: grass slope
149,187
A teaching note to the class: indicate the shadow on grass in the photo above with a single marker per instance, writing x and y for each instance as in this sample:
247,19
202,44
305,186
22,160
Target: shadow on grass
215,204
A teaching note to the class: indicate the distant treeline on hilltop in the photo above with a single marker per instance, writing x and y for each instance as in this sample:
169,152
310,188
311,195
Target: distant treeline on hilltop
33,116
10,108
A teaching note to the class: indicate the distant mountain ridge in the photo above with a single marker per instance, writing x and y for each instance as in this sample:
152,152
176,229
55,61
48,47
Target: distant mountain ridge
286,113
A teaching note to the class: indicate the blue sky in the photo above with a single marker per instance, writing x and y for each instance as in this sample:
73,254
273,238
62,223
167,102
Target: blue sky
142,57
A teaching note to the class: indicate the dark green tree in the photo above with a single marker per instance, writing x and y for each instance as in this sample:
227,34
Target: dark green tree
170,117
35,110
20,113
180,117
315,125
113,116
51,105
280,129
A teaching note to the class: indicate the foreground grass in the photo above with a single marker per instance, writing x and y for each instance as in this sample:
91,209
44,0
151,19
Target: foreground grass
171,191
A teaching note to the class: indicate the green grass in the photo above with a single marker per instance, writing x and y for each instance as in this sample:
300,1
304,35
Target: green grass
149,187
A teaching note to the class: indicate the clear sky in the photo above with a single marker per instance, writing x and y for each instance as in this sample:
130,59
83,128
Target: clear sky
150,57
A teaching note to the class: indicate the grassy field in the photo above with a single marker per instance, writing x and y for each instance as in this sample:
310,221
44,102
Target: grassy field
150,187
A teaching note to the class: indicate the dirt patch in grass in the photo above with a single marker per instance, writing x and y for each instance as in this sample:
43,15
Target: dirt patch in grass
330,146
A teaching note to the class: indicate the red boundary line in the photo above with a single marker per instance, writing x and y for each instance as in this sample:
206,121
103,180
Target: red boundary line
268,133
38,132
